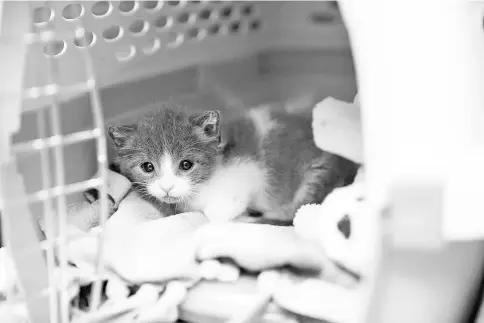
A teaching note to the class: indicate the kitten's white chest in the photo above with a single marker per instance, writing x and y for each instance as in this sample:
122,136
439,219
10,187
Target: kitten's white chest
232,188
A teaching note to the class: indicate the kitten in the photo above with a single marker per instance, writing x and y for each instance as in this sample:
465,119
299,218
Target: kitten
264,162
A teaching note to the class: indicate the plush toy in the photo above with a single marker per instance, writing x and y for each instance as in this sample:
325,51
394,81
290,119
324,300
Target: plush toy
85,215
342,227
337,128
338,225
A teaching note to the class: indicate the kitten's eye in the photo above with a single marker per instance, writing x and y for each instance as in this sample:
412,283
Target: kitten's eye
186,165
147,167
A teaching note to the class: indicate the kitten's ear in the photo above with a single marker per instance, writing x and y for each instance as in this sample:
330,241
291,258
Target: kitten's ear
210,123
122,135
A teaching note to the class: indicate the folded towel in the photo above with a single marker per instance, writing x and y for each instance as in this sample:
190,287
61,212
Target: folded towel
156,250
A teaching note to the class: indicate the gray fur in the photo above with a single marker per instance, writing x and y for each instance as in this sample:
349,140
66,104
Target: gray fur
294,163
299,172
171,128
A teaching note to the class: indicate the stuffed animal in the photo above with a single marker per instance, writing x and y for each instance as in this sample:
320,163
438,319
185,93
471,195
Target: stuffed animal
339,225
337,128
85,215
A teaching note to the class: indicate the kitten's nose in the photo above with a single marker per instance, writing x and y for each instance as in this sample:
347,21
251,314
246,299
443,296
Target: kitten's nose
166,187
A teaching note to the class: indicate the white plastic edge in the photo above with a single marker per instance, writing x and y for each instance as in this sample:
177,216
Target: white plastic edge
419,81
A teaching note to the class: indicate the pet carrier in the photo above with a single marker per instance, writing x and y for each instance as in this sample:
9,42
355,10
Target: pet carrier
70,68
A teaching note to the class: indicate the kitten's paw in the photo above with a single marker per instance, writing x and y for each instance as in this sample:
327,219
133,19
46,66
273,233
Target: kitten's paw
223,211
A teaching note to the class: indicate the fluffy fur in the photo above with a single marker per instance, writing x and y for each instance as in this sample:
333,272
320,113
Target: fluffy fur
263,164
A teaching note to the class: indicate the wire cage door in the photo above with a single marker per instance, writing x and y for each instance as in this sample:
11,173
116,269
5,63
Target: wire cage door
43,284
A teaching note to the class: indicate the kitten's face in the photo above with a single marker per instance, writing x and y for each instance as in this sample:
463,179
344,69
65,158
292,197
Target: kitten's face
170,153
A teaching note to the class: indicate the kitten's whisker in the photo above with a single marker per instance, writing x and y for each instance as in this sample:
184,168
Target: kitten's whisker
163,135
197,149
142,190
147,196
192,146
184,202
140,183
133,152
173,130
140,154
134,157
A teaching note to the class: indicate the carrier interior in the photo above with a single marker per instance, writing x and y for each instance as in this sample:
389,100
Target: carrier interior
300,48
261,72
